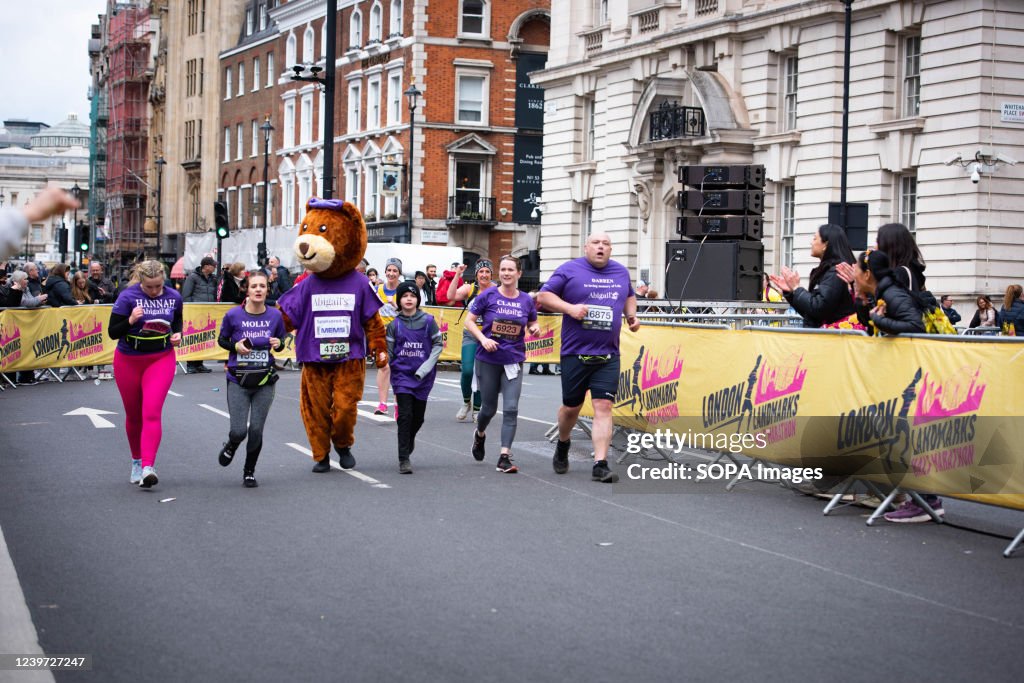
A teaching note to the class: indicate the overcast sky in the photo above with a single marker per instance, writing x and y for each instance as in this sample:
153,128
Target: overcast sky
44,49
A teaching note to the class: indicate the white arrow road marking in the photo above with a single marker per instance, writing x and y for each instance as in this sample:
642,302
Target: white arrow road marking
94,416
355,473
215,410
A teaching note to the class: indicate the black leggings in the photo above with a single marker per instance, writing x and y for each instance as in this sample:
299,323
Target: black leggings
410,418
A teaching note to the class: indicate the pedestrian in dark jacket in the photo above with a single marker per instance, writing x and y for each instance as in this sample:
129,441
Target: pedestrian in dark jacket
886,303
827,298
101,287
284,278
1012,312
233,289
951,313
13,290
200,287
57,287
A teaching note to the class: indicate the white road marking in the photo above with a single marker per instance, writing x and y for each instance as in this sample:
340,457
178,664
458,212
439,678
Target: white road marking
94,416
174,393
215,410
354,473
369,414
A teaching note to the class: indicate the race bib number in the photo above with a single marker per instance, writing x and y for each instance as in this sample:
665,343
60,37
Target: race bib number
333,326
599,318
259,358
333,350
506,329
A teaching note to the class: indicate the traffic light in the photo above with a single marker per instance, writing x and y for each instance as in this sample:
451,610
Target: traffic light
83,236
62,240
220,220
261,253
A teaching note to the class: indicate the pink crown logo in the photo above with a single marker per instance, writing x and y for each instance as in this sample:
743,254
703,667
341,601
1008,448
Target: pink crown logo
956,395
91,326
206,326
8,334
780,380
657,370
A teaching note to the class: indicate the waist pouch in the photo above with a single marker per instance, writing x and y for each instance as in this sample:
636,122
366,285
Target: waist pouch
595,360
149,344
253,379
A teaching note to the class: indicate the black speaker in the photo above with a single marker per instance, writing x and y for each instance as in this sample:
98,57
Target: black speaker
714,271
722,176
736,227
717,202
856,223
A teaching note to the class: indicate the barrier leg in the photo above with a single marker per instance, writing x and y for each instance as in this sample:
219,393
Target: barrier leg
180,365
1013,546
838,498
916,497
886,504
8,380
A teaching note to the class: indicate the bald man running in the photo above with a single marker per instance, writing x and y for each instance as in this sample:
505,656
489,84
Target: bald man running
593,294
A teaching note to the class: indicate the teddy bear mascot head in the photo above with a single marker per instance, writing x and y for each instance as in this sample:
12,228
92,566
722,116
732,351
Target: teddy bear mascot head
333,312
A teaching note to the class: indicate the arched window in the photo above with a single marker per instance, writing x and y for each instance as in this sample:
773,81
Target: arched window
323,40
308,46
376,22
355,30
395,27
289,52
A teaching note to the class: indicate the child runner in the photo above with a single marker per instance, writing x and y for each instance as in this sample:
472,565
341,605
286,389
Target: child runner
414,345
146,321
505,313
250,333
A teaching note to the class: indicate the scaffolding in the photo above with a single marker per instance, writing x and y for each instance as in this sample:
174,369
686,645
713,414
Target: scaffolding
98,172
128,79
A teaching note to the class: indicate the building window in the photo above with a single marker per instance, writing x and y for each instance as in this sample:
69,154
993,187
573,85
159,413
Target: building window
227,143
600,12
395,29
255,137
263,15
190,139
270,69
908,201
373,104
790,74
308,47
586,224
255,74
228,83
289,51
193,198
306,120
319,131
323,40
202,69
352,185
589,126
911,75
190,78
787,223
248,21
354,111
288,201
199,139
305,186
289,123
376,22
394,98
473,19
355,31
241,78
468,188
202,16
241,141
471,107
193,17
372,188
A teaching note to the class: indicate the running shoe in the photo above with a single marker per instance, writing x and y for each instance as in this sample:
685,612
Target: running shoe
561,460
404,467
478,446
346,459
136,472
463,412
476,413
322,466
912,513
603,474
382,409
227,453
249,480
149,478
505,464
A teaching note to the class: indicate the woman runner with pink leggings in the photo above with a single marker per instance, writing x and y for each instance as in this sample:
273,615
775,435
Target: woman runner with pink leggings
146,321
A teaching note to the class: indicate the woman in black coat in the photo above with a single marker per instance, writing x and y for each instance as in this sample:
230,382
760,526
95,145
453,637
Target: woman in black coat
1012,312
827,298
57,287
886,303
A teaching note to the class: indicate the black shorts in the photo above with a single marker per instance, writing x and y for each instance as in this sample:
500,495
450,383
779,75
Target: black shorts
602,380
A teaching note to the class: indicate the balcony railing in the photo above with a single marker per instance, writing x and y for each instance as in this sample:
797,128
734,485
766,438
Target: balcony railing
671,121
470,208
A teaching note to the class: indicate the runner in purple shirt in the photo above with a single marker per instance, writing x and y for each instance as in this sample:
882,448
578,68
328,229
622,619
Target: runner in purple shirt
593,294
498,320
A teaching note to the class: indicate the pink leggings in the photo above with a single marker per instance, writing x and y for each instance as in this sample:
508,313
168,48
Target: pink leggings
143,381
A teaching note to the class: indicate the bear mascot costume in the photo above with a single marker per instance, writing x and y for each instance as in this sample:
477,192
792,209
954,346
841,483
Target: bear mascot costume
333,313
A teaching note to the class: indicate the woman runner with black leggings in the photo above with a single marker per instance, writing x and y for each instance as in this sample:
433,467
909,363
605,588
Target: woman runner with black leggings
250,333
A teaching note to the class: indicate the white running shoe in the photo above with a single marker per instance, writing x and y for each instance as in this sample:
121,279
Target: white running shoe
136,472
475,413
148,478
463,412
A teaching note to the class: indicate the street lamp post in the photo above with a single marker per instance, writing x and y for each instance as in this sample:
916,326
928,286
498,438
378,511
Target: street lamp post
160,163
76,191
413,94
327,83
267,130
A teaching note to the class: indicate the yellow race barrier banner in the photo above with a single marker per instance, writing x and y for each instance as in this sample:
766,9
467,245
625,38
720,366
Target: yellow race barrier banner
932,415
